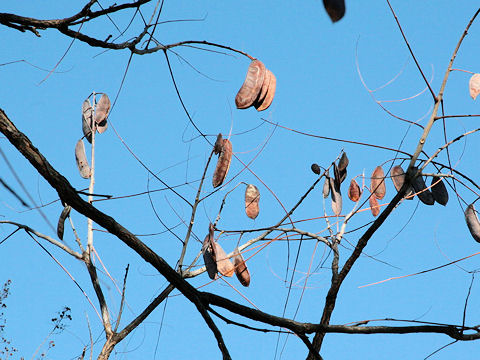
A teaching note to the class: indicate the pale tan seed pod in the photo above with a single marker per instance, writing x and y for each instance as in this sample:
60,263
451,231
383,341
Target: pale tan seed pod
224,265
439,190
420,188
326,186
217,147
374,205
61,221
241,269
87,120
209,257
377,183
223,163
102,110
268,99
252,198
474,86
336,197
354,191
472,222
81,158
251,86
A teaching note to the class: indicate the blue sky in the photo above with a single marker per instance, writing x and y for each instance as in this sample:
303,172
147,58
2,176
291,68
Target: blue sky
319,91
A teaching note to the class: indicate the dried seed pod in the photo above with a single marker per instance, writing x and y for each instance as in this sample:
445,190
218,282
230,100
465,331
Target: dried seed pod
252,197
337,176
472,222
217,147
267,101
81,159
474,86
61,221
251,86
326,186
209,256
336,197
354,191
343,162
335,9
398,177
241,269
377,183
315,168
374,205
420,188
264,89
439,191
224,265
87,120
102,109
223,163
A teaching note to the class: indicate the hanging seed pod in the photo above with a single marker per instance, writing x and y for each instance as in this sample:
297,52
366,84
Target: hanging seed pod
61,221
343,162
241,269
81,159
474,86
251,86
398,177
374,205
87,120
223,163
252,197
315,168
420,188
101,113
217,147
335,9
224,265
326,186
336,197
472,222
209,257
354,191
337,176
439,191
377,183
267,100
264,89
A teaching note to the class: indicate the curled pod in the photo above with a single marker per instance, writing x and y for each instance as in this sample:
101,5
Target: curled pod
209,257
264,89
377,183
420,188
335,9
315,168
474,86
336,197
439,191
223,163
87,120
354,191
343,162
251,86
472,222
101,113
217,147
265,102
241,270
81,158
252,197
326,186
374,205
61,221
224,265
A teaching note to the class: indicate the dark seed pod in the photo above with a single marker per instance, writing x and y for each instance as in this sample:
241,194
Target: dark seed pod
374,205
315,169
252,85
420,188
208,250
377,183
223,163
343,162
217,147
335,9
336,198
439,191
241,269
354,192
61,221
472,222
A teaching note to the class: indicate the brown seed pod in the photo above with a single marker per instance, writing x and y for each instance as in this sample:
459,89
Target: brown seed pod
81,159
251,86
224,265
217,147
315,168
61,221
241,269
326,186
472,222
377,183
398,177
343,162
374,205
209,257
354,191
267,101
335,9
474,86
264,89
252,197
223,163
336,197
420,188
87,120
102,110
439,191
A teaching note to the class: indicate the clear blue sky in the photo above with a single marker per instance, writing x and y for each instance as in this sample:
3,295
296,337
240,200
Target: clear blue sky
319,91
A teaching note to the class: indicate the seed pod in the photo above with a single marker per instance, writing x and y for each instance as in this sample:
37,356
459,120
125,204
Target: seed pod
217,147
224,265
472,222
420,188
61,221
374,205
267,100
335,9
326,186
354,191
337,176
81,159
264,89
398,177
251,86
241,269
343,162
223,163
474,86
101,113
209,257
439,191
336,198
252,197
377,183
315,169
87,120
